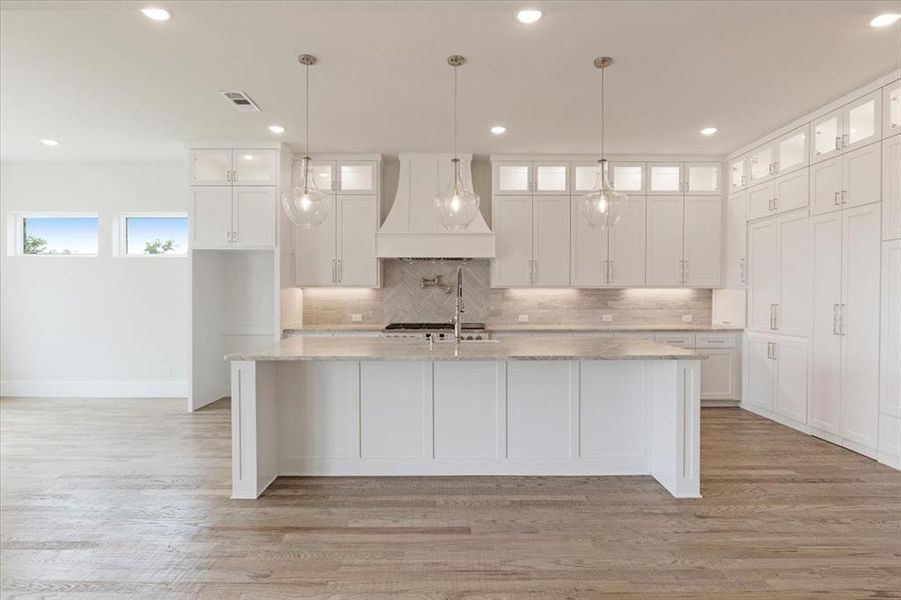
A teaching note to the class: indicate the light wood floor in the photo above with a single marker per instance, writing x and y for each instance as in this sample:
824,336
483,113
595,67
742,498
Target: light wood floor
129,498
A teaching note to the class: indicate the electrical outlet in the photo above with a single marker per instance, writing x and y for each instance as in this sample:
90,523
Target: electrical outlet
687,318
523,318
607,318
356,317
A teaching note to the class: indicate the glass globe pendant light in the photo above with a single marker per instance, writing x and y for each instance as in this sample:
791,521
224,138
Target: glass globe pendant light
457,205
305,204
603,207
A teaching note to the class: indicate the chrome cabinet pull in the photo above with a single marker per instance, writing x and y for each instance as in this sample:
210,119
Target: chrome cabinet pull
340,270
775,204
775,355
334,271
684,271
535,263
742,274
837,200
234,236
776,168
776,316
744,180
835,319
845,141
844,196
841,326
612,276
838,143
772,317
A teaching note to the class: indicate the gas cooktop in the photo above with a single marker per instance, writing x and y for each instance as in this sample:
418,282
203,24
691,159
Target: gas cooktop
432,326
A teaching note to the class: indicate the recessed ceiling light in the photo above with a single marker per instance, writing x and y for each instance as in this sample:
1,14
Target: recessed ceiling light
528,15
276,129
49,142
157,14
708,131
498,129
885,20
248,157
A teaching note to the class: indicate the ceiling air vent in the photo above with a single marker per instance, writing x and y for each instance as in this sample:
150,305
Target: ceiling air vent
241,101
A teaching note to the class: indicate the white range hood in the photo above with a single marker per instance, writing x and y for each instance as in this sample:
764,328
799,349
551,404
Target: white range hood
413,230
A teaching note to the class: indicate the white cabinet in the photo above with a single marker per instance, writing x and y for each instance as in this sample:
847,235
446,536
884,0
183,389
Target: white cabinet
702,178
891,109
664,236
531,177
613,257
242,166
853,179
778,275
233,217
719,375
845,257
684,178
890,380
736,240
666,178
891,188
683,241
855,125
532,241
341,250
738,173
792,151
783,194
344,176
776,377
827,136
626,176
761,164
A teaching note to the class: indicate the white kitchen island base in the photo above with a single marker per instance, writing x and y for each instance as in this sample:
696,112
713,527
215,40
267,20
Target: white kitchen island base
466,417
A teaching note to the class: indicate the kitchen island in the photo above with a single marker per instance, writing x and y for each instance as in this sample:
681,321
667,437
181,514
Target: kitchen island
519,406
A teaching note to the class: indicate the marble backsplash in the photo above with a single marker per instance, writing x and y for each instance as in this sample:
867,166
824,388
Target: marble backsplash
402,299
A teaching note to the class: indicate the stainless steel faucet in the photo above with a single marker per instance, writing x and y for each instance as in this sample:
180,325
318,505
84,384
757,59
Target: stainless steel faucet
458,307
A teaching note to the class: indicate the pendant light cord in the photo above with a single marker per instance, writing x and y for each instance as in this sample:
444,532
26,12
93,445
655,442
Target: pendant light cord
307,116
603,156
455,112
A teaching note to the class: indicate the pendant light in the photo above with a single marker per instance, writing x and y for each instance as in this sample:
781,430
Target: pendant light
305,204
603,207
457,205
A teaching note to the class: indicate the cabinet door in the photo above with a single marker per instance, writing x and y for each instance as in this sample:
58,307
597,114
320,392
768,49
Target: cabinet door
358,220
627,245
255,167
703,250
719,375
891,109
315,256
736,240
550,241
254,216
891,188
588,251
358,177
861,253
761,164
862,121
826,186
628,177
827,136
211,166
792,151
890,380
825,347
793,309
761,371
760,200
584,176
551,178
791,191
325,177
512,177
702,178
738,177
211,219
664,267
861,176
665,178
763,291
791,379
512,224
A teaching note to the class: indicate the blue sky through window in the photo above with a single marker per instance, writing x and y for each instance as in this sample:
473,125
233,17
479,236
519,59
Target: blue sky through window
143,232
60,235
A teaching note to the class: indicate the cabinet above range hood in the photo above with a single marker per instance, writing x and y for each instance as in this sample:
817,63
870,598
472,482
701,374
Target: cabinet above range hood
413,229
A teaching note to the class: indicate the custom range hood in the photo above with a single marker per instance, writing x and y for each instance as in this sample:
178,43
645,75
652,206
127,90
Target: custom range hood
413,229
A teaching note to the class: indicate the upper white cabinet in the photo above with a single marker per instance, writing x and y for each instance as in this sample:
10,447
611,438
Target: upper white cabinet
532,241
531,177
761,164
233,217
684,178
738,173
702,178
783,194
344,176
891,109
238,166
736,240
666,178
891,188
626,177
610,258
792,151
683,241
852,179
856,124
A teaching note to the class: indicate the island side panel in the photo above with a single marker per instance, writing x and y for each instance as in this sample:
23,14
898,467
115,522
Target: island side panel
676,426
254,411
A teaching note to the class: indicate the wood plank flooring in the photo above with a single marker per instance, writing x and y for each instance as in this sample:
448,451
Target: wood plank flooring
129,498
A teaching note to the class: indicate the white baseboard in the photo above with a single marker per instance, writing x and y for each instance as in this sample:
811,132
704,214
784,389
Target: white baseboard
95,389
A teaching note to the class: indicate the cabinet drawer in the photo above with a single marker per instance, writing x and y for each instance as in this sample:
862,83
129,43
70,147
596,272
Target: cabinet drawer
715,340
649,337
682,340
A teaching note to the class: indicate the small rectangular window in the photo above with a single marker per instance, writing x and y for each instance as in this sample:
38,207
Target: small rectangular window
154,235
58,235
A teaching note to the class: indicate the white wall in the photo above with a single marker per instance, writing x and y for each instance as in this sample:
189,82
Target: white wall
93,326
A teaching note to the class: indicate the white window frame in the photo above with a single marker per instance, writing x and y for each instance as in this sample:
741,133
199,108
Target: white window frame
120,234
16,232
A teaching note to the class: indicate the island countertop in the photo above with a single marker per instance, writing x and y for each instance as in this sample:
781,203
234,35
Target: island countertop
302,348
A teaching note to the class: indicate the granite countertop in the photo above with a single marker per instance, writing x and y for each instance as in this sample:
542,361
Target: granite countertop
524,348
526,327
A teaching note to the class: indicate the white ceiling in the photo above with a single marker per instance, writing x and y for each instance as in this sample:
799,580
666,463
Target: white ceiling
110,84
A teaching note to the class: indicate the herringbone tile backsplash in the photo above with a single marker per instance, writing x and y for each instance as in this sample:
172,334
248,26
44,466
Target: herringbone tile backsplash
402,299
